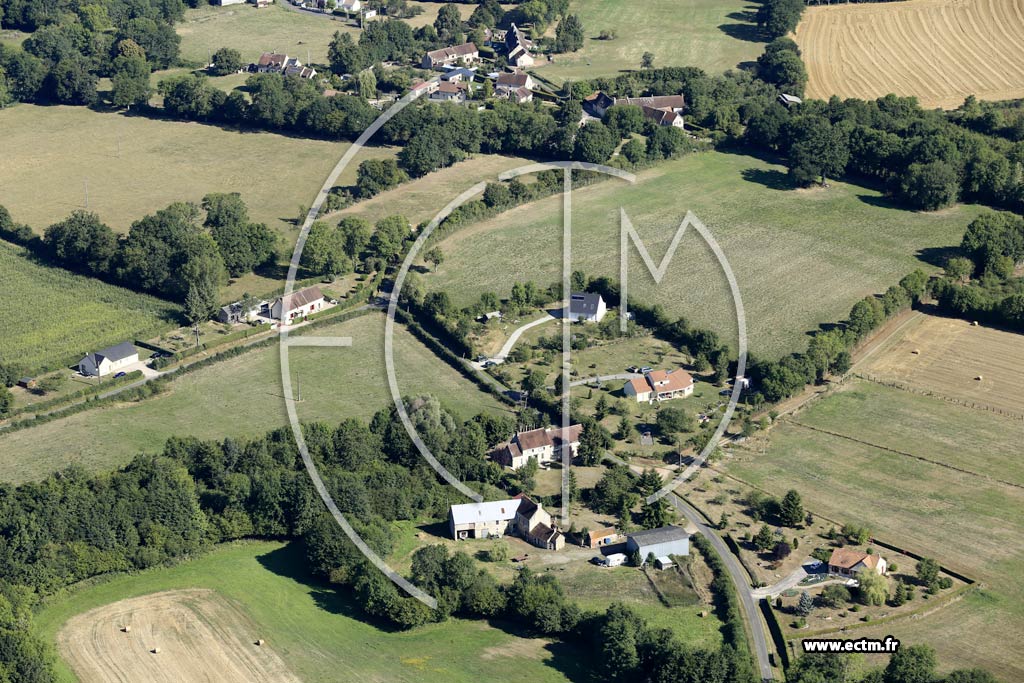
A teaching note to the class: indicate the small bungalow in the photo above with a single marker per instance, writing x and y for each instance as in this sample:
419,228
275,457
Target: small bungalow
849,562
297,305
789,100
659,385
108,360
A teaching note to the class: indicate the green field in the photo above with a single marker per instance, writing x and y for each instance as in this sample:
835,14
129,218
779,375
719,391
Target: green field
241,397
801,257
254,31
51,317
318,631
967,521
714,35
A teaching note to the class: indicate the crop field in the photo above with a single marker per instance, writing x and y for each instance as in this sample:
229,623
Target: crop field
714,35
196,632
242,397
917,500
254,31
420,200
782,245
51,317
940,51
317,631
979,366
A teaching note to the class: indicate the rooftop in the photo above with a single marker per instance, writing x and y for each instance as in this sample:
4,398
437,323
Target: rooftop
665,534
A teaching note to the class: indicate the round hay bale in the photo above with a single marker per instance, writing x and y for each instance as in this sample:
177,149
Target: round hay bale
259,643
979,378
126,629
916,352
974,324
155,650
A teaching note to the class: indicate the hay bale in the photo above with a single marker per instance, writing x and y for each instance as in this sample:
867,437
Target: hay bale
979,378
126,629
703,613
155,650
259,643
916,352
974,324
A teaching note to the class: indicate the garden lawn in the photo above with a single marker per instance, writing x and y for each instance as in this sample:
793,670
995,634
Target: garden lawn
801,257
241,397
320,633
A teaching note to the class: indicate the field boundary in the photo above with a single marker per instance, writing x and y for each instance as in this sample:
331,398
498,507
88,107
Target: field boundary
903,386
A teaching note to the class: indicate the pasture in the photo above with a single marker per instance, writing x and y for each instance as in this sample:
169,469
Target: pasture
51,317
782,244
963,517
254,31
939,51
317,631
242,397
714,35
195,633
947,356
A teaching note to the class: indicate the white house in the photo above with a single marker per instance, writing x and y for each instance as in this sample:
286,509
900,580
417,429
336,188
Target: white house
517,47
509,81
848,562
586,306
494,519
544,444
297,305
659,385
108,360
662,543
350,5
230,2
467,53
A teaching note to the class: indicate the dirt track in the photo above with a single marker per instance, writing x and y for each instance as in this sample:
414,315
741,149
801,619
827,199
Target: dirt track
938,50
200,635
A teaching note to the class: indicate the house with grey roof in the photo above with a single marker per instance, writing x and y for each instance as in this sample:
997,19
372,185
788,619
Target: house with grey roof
663,543
586,307
108,360
496,518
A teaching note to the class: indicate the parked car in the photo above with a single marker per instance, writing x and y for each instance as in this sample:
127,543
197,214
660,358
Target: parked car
646,369
120,374
632,368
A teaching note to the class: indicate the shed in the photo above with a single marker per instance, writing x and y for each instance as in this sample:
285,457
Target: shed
662,542
27,383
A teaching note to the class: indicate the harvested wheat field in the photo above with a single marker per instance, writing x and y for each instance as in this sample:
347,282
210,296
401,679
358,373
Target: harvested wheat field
174,637
972,365
940,51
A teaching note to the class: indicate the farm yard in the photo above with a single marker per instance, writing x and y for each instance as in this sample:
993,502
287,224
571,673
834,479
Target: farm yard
317,631
951,358
719,35
781,243
51,317
179,635
940,51
242,397
866,455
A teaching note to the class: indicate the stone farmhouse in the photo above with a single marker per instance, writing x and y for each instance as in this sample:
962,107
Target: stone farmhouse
493,519
544,444
659,385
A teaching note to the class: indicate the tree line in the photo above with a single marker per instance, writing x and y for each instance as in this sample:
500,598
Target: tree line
170,254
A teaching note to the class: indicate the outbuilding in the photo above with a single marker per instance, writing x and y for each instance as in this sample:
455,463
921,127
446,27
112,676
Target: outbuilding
662,542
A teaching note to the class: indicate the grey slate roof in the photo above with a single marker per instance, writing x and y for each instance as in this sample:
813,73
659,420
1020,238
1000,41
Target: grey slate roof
665,534
115,353
584,303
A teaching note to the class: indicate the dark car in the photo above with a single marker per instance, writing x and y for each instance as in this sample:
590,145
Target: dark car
120,374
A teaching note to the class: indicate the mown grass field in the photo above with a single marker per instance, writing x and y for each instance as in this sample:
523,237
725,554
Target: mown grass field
801,257
254,31
242,397
51,317
967,521
939,51
319,633
714,35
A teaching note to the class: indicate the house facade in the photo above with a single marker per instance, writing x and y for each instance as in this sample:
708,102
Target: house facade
847,562
467,53
659,385
494,519
545,444
662,543
108,360
297,305
586,307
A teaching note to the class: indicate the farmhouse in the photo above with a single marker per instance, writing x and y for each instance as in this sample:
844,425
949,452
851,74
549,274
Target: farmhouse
424,88
494,519
586,307
660,385
520,95
600,537
847,562
597,103
518,47
664,110
544,444
467,53
270,62
512,80
662,543
297,305
449,91
459,74
108,360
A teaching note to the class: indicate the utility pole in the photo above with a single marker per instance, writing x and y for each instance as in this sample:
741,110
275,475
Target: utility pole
85,181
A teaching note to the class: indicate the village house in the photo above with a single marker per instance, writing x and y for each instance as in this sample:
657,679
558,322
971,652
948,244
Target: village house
659,385
233,313
108,360
225,3
512,80
270,62
597,103
662,543
544,444
664,110
459,74
467,53
586,307
424,88
297,305
493,519
349,5
449,91
520,95
517,47
601,537
849,562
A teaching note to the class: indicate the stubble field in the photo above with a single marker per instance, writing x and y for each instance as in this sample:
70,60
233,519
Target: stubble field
940,51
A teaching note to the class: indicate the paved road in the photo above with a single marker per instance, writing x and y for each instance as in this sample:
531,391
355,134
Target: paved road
785,584
507,348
